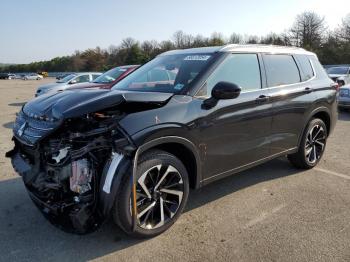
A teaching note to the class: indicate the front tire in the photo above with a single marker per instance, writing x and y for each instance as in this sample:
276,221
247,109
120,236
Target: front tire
312,145
162,191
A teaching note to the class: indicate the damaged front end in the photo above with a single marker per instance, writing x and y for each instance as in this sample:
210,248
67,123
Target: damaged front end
67,154
62,171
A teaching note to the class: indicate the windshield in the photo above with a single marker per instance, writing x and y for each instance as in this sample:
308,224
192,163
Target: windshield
168,73
66,79
110,75
338,70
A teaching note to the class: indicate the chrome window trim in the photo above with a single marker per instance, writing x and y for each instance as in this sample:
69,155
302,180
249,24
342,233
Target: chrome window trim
271,87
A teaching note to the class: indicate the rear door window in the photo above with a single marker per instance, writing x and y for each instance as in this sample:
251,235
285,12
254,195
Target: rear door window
281,70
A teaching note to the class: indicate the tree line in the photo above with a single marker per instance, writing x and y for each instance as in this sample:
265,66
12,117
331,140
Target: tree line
308,31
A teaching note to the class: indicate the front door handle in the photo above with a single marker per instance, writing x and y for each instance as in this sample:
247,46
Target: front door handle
262,99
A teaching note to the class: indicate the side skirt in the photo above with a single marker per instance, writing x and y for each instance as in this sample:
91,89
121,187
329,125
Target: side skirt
247,166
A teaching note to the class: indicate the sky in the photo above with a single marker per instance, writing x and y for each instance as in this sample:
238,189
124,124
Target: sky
35,30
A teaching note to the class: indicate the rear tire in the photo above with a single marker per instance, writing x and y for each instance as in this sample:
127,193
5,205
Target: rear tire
162,192
312,145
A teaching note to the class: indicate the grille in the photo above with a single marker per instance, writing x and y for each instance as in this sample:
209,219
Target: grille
29,130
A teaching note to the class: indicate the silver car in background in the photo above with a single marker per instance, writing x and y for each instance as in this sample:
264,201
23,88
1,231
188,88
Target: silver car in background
339,74
32,76
62,84
344,97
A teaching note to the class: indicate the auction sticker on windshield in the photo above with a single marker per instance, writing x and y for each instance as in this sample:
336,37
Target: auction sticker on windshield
197,57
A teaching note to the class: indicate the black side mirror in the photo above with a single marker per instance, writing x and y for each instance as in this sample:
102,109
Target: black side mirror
225,90
222,90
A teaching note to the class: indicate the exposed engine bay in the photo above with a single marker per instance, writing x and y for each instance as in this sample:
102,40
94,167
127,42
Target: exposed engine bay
65,144
62,172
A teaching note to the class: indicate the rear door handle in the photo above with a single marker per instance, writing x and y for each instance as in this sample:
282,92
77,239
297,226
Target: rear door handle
308,90
262,99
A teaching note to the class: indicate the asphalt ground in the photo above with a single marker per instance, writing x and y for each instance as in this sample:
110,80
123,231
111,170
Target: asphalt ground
273,212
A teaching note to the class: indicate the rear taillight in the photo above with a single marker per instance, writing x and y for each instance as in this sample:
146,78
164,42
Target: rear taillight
336,86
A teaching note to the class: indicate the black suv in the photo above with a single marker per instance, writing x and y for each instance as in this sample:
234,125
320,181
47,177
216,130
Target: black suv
181,121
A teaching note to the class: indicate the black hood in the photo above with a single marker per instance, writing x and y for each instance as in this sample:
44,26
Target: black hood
70,104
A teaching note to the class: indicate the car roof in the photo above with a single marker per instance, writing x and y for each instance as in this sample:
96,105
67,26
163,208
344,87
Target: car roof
275,49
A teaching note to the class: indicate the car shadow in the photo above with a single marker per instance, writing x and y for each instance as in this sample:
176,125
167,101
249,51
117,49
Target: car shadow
8,125
17,104
24,233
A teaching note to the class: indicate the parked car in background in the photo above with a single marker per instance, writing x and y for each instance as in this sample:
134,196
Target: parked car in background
184,119
339,74
62,76
66,82
4,76
33,76
108,79
344,97
7,76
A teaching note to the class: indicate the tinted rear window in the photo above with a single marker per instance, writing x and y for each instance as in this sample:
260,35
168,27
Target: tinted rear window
305,66
281,70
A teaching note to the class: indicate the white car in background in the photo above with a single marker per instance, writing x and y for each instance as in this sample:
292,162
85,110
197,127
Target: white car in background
32,77
12,76
68,81
339,74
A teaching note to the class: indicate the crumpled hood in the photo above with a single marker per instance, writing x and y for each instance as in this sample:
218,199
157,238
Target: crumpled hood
70,104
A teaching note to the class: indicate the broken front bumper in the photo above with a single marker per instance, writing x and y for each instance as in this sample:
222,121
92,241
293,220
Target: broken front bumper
67,214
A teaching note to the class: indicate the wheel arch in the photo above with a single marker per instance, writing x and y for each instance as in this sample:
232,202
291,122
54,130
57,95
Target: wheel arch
325,117
183,149
170,144
320,112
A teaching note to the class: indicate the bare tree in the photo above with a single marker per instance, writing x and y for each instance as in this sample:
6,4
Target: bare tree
252,39
216,39
199,41
235,39
308,30
128,43
182,40
150,48
166,46
272,39
344,30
